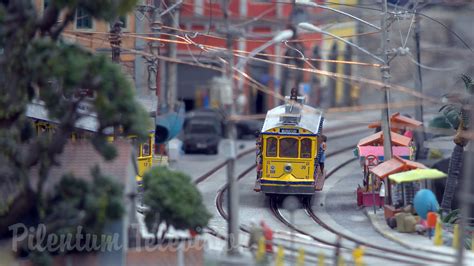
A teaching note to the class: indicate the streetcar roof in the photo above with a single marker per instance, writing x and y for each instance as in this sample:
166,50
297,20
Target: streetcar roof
310,118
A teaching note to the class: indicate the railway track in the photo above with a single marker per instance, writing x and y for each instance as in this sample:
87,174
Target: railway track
308,209
276,212
221,191
414,258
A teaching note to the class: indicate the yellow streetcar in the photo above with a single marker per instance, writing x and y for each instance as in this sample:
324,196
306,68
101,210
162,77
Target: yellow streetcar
145,156
289,149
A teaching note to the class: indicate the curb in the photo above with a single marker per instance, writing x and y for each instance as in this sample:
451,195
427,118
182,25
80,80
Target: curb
383,229
379,228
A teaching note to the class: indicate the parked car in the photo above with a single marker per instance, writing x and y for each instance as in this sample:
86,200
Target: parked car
205,114
201,135
246,129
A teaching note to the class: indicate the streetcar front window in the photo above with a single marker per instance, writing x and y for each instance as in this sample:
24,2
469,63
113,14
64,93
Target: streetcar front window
306,146
271,147
289,148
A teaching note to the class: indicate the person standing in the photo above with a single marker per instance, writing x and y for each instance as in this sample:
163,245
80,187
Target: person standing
268,234
322,153
256,233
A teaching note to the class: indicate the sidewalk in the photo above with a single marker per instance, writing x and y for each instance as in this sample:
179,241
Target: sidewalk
410,240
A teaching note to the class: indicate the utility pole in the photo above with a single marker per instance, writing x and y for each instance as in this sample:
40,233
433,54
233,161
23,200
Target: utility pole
115,39
420,135
156,27
385,69
233,193
172,79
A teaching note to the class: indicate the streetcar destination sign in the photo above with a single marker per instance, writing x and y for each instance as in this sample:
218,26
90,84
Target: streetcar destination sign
289,131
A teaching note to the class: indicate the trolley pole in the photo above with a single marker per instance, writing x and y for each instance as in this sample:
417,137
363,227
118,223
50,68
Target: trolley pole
385,69
233,192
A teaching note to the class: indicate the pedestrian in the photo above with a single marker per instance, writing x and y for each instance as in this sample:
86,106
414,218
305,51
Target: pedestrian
259,155
256,232
268,234
322,152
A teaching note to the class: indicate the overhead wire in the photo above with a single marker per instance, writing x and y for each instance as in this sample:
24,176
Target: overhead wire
187,41
253,83
367,7
378,84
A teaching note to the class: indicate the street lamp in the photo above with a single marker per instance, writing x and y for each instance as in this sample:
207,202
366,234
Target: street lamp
312,4
311,27
282,36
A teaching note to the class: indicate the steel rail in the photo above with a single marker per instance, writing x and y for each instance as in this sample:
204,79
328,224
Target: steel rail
314,217
276,212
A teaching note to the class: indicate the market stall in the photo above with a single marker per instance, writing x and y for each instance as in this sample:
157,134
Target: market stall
377,177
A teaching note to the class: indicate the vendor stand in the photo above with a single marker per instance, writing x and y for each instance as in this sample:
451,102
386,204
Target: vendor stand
370,153
385,169
399,124
412,179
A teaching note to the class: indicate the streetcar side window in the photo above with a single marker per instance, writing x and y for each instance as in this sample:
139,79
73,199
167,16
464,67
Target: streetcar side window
271,147
306,146
146,148
289,148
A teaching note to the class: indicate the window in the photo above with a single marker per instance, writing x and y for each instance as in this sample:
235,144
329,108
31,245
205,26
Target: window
83,19
289,148
124,25
306,146
271,147
146,149
124,21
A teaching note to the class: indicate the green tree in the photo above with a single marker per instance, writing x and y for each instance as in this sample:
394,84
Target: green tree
37,64
457,114
172,199
78,208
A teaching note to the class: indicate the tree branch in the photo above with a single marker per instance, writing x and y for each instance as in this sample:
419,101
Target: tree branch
68,18
50,17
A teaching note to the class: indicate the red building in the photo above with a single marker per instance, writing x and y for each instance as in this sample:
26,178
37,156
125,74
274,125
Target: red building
260,21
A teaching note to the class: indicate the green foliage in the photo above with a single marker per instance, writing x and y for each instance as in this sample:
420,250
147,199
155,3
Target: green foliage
171,198
89,204
452,217
468,83
37,64
40,258
456,109
103,9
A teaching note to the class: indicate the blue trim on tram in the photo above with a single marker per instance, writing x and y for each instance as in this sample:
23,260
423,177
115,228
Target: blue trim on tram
263,181
291,135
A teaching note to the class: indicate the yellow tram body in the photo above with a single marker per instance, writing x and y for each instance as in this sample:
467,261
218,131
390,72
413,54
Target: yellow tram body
288,157
145,156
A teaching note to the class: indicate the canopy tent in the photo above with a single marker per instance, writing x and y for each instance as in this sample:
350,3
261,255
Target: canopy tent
395,165
377,140
417,175
377,151
398,122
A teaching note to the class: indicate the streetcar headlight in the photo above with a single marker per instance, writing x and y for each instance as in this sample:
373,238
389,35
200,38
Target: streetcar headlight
288,168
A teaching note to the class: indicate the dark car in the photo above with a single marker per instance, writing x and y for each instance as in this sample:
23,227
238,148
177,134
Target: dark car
201,135
246,129
206,114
